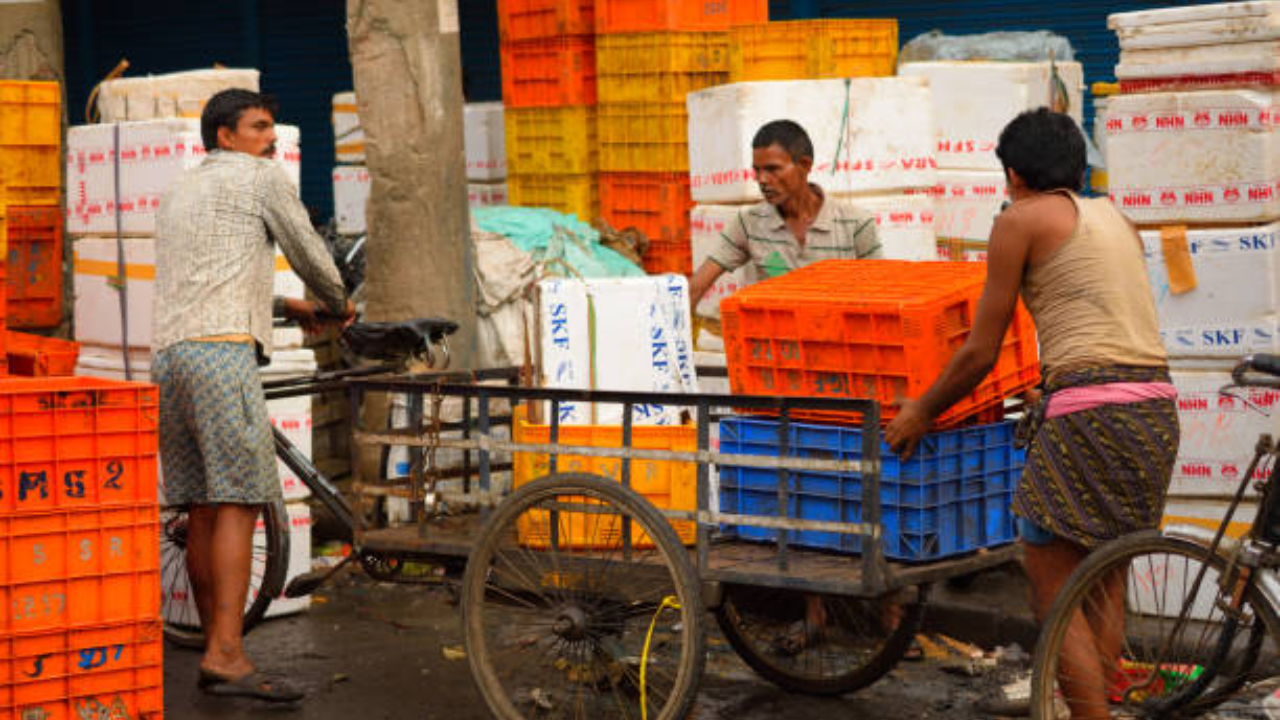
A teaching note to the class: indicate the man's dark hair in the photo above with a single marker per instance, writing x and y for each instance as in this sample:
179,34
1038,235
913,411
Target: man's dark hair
1045,148
224,110
787,135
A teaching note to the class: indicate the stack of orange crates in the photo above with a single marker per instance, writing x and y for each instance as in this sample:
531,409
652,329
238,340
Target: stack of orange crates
878,329
79,558
31,181
549,99
649,55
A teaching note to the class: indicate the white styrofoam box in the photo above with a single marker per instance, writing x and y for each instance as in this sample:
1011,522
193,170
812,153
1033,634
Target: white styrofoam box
1209,24
966,203
180,94
485,138
292,416
351,186
707,224
1208,156
103,361
152,154
1225,339
1221,64
486,194
1218,432
617,334
973,101
348,137
1236,276
97,299
869,134
299,559
904,221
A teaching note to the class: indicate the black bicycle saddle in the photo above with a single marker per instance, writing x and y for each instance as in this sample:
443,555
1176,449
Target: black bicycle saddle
396,340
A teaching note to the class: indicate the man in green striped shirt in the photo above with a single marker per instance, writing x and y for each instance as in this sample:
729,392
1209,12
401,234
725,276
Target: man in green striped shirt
796,224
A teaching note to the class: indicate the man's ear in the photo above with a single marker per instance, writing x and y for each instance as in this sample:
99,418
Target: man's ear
1013,179
806,164
224,138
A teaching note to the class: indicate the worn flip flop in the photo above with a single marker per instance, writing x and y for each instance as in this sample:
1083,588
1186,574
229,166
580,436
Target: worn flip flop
254,685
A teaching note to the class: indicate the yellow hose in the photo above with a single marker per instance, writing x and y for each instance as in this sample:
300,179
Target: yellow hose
117,71
667,602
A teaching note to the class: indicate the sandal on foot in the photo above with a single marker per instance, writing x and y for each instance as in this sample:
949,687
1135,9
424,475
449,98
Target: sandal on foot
254,685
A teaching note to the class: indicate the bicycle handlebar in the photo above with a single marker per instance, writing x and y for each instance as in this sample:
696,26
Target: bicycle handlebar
1264,363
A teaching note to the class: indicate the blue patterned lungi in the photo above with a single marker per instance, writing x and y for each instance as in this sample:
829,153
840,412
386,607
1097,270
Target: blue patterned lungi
215,437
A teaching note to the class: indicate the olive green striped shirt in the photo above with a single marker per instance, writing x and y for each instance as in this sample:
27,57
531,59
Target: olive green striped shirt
760,236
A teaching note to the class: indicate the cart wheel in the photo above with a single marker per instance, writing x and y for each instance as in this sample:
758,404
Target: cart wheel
561,621
846,643
384,568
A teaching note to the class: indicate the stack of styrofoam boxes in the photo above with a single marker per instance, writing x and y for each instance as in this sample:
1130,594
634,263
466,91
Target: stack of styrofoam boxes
549,96
1193,155
973,101
486,161
152,154
874,144
649,56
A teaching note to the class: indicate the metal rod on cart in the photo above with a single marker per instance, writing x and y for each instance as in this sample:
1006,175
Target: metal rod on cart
704,504
784,446
482,409
626,476
872,548
466,454
416,457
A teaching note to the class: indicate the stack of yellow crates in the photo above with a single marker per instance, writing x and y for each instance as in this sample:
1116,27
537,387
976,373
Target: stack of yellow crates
549,98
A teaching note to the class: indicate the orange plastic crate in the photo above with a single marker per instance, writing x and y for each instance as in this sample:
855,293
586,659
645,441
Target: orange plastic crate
34,297
617,16
114,671
78,568
549,73
532,19
667,484
38,356
76,443
879,329
656,204
668,257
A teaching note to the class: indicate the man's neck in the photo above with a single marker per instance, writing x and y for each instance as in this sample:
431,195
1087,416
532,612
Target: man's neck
806,205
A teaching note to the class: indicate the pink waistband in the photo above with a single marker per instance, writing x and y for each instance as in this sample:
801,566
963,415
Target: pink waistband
1087,397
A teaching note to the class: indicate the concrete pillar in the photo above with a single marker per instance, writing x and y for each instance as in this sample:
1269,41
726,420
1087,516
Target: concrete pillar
31,40
408,82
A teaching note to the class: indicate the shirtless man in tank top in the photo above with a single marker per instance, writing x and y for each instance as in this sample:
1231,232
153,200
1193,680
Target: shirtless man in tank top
1103,439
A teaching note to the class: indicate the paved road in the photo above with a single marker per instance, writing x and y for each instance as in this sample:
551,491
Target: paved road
374,651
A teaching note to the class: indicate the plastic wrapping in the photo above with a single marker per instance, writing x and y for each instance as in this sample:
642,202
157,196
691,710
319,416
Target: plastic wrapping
1016,46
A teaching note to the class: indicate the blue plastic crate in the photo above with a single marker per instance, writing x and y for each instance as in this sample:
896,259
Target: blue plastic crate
953,496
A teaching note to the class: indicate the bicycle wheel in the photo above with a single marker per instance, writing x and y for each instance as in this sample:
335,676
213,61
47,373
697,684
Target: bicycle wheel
1134,634
561,623
266,578
850,644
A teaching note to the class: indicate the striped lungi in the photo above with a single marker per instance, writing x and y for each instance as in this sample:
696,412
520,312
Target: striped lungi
1096,474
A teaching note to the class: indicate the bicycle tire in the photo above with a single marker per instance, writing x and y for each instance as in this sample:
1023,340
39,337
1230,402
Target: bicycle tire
834,666
266,581
1156,657
578,636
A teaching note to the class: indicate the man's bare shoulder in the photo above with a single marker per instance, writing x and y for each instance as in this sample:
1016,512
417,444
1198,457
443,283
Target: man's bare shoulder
1043,215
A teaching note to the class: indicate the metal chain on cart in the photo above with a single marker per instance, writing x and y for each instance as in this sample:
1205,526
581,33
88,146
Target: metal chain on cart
431,473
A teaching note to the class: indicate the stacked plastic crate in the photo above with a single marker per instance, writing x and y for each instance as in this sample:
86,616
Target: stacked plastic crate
1191,159
549,98
973,101
650,55
30,216
853,329
79,564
